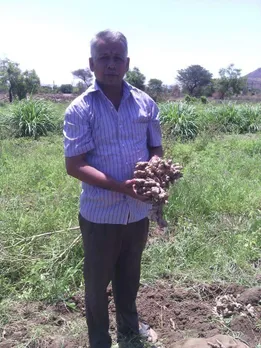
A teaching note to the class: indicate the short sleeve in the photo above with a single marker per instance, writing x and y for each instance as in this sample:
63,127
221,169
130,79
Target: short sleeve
154,129
77,131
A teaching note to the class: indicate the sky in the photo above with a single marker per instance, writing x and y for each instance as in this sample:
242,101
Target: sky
164,36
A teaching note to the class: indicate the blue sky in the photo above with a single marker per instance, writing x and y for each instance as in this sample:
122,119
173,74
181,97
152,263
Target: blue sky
52,36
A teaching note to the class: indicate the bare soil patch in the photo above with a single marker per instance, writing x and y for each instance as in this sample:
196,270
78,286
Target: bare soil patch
54,97
173,312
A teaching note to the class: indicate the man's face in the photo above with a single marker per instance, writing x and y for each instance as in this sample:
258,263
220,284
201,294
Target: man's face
109,63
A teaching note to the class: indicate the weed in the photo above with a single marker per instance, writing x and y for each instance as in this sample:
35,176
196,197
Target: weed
30,118
213,214
179,120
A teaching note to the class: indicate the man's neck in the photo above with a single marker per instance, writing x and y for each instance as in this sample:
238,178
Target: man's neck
113,93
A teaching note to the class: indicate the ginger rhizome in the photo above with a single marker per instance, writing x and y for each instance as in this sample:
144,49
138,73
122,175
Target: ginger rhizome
153,180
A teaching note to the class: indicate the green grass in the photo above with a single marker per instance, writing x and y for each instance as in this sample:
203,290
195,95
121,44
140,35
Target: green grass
213,213
31,118
37,196
184,121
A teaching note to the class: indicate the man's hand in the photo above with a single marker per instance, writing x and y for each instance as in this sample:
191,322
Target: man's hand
155,157
128,188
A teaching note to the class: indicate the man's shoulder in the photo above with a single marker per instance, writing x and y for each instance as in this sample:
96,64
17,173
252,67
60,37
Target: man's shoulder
138,94
82,101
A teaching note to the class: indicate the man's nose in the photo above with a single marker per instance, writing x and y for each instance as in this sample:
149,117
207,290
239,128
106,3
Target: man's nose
111,63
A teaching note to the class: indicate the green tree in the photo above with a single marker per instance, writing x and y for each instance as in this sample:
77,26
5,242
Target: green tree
17,83
230,81
136,78
193,79
84,75
66,88
79,88
155,88
32,81
9,75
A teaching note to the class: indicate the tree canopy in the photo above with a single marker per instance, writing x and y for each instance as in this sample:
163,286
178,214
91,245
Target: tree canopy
84,75
155,88
230,81
194,78
17,83
66,88
136,78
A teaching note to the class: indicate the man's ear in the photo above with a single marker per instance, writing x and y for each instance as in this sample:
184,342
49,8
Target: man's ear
91,64
127,64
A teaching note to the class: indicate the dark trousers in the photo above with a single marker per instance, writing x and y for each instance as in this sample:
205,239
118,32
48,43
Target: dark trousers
112,252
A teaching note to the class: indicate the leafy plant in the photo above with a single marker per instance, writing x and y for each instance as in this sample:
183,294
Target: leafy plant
30,118
179,120
189,99
203,99
232,118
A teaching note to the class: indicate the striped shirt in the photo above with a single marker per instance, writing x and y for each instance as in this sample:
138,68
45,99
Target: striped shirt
114,141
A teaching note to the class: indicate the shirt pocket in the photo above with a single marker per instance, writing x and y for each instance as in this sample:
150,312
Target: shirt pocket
139,126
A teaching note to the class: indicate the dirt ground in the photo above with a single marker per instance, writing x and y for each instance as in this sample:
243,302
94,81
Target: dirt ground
173,312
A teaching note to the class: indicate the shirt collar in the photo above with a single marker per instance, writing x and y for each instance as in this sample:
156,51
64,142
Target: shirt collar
127,89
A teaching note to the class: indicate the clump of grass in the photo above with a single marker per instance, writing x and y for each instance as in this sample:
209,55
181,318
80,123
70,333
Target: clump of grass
30,118
186,120
231,118
179,120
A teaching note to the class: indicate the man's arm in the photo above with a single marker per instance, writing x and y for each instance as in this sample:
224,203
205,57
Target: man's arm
78,168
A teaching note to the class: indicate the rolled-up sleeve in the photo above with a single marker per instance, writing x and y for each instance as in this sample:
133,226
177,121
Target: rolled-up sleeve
154,129
77,132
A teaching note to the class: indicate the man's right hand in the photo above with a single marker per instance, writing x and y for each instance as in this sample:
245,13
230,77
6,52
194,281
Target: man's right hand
128,188
78,168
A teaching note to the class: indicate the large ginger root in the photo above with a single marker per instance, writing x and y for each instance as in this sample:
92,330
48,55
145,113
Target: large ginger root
152,181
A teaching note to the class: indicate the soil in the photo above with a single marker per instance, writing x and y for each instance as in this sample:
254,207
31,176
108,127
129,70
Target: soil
173,312
54,97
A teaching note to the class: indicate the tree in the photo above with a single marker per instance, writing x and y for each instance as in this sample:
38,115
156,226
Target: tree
193,79
32,81
9,74
155,88
85,75
17,83
136,78
66,88
27,83
230,81
176,92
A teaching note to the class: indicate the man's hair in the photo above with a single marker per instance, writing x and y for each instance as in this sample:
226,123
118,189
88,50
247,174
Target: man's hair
108,36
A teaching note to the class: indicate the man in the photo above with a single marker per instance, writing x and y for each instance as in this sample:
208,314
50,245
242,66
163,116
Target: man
107,130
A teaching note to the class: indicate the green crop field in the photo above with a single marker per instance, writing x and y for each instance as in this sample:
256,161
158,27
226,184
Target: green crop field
214,211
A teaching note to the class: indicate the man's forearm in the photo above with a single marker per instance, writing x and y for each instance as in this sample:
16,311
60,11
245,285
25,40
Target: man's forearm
92,176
